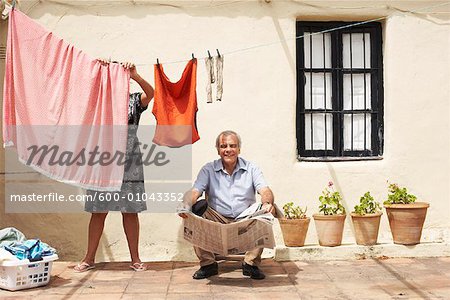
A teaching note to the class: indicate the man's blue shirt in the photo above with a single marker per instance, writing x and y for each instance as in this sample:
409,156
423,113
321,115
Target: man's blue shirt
230,195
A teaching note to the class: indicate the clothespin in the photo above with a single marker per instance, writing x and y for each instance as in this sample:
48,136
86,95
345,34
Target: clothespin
209,54
218,53
8,9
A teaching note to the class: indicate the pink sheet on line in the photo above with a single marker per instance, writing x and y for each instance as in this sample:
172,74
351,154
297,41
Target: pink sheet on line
56,95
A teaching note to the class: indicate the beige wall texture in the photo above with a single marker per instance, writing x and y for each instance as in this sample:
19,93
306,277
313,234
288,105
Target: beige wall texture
259,102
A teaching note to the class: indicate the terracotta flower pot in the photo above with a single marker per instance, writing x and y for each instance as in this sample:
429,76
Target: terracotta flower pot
329,229
366,228
294,231
406,221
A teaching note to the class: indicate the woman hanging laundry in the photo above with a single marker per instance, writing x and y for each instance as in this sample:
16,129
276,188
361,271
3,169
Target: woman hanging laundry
133,182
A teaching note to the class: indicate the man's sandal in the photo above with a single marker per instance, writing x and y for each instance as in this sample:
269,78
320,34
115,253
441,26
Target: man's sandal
138,267
83,267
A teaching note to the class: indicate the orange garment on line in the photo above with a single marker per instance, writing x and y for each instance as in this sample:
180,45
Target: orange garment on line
175,107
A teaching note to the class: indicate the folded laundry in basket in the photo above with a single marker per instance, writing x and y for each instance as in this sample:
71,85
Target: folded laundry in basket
30,249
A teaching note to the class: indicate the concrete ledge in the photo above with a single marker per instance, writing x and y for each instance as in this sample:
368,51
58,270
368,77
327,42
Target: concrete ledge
352,251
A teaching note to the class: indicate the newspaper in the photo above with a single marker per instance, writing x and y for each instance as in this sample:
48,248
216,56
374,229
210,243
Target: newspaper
252,229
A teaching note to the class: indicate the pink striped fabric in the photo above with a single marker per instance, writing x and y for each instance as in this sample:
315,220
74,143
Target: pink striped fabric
54,94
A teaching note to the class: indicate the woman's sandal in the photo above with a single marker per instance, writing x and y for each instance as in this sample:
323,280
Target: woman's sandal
138,267
83,267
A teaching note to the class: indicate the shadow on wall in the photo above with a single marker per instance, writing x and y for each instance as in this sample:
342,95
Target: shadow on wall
66,232
185,251
62,225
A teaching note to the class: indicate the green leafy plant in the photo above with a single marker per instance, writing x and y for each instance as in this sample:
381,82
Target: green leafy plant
331,201
294,212
367,205
398,195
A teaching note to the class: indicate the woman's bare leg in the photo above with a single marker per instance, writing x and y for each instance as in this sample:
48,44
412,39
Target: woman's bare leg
96,226
131,228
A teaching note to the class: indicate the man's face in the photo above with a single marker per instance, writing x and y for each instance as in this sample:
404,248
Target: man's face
229,149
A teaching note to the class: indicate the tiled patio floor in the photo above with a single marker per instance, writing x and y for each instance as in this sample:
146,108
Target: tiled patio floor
399,278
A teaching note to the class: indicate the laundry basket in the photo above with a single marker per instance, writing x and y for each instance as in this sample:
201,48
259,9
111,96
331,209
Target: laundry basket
23,274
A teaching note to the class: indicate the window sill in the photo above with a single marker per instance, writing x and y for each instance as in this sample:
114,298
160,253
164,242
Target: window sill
342,158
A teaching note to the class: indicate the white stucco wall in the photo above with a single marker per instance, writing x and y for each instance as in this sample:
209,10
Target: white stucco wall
259,102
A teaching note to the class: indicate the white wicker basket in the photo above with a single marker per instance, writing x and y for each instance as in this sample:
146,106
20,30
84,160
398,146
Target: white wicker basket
23,274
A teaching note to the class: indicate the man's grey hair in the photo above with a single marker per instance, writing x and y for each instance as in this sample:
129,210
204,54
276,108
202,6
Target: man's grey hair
227,133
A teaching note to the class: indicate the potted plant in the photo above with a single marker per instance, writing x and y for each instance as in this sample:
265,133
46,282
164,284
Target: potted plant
406,216
330,221
366,220
294,225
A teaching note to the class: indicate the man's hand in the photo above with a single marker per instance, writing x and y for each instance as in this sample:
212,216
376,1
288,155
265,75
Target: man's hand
186,206
267,200
189,199
269,208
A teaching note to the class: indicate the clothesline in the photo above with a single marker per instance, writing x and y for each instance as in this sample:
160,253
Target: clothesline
279,41
232,52
304,35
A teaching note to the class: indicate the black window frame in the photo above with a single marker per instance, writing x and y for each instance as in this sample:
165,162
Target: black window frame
337,72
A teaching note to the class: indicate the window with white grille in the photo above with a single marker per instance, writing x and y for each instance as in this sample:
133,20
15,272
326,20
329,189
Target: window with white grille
339,90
